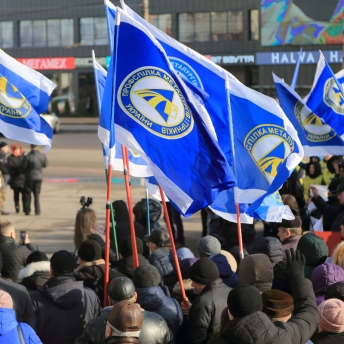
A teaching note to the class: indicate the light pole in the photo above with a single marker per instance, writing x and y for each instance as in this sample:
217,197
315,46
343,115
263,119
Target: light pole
146,10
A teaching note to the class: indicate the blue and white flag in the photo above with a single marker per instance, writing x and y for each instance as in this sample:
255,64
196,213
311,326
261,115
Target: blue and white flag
137,166
24,95
110,12
265,144
152,186
317,138
155,115
326,97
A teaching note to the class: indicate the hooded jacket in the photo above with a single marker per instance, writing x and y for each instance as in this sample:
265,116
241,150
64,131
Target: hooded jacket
35,275
228,277
154,300
63,307
160,259
323,276
9,331
270,246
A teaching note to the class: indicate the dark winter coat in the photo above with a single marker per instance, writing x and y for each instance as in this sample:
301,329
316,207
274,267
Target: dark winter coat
3,163
9,331
21,302
205,313
228,277
17,176
154,329
160,259
270,246
154,300
257,328
328,338
13,257
35,275
32,165
126,265
63,307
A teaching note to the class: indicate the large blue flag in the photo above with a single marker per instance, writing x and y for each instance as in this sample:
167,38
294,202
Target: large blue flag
317,138
137,166
110,12
156,115
326,97
24,95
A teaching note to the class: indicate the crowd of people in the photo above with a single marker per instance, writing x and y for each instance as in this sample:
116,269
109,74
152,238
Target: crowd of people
288,288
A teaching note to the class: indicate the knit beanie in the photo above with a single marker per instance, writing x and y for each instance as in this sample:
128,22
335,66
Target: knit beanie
146,276
62,262
331,313
36,256
244,300
204,271
338,255
335,291
126,249
5,300
208,246
90,250
276,303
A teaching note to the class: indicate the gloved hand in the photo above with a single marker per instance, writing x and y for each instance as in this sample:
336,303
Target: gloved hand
295,264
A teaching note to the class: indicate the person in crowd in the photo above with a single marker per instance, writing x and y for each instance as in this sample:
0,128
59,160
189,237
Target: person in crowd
21,300
235,252
277,305
289,232
249,325
270,246
210,247
124,323
4,176
14,255
36,273
86,227
151,297
11,331
17,178
125,266
313,176
256,270
336,213
335,291
331,326
32,166
154,328
91,269
338,255
140,213
328,167
204,315
323,276
63,305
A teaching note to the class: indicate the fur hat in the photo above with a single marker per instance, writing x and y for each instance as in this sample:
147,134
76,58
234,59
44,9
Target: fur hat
126,249
208,246
204,271
36,256
276,303
331,313
62,262
338,255
90,250
5,300
146,276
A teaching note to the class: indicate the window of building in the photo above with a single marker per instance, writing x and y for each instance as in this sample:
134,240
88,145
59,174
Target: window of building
254,25
162,21
210,26
46,33
6,34
93,31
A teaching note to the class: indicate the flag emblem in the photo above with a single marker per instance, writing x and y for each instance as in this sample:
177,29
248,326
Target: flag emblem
12,102
333,97
269,145
316,130
150,96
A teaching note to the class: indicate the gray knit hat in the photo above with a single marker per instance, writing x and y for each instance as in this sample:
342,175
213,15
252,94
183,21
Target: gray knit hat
208,246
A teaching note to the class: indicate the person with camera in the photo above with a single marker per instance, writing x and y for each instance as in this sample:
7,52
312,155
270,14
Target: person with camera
13,255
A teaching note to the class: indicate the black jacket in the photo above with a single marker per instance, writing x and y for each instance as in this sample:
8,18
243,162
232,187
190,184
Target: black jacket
126,265
34,275
32,165
154,330
257,328
3,163
13,257
328,338
205,313
63,307
22,304
17,176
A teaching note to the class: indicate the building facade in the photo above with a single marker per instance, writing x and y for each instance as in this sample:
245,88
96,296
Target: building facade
251,39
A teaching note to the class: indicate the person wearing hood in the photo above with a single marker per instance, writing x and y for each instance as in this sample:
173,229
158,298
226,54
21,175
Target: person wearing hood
63,305
11,331
210,247
270,246
36,273
140,212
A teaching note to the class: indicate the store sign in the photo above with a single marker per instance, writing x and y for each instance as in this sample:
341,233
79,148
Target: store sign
49,63
86,62
290,57
231,59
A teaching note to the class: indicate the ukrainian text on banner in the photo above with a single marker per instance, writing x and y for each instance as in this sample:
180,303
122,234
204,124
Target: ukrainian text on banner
155,114
317,138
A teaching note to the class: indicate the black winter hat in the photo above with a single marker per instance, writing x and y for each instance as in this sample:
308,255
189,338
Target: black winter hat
63,262
335,291
3,144
204,271
36,256
120,289
244,300
125,247
90,250
146,276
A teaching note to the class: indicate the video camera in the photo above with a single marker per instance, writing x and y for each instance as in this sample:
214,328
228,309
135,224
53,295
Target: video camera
85,202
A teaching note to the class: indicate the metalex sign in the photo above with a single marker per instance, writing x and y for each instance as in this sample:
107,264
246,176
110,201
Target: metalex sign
48,63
